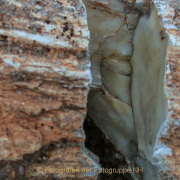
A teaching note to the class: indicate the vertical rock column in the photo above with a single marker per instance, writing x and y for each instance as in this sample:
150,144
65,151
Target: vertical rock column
112,25
150,107
155,90
44,80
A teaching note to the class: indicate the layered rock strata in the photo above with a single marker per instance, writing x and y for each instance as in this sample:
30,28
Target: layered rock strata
44,80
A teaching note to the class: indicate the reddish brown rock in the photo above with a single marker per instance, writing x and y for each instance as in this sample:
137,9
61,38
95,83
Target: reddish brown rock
44,80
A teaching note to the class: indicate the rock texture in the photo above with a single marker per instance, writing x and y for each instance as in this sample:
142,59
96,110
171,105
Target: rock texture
160,118
167,148
45,76
141,100
147,88
44,80
112,25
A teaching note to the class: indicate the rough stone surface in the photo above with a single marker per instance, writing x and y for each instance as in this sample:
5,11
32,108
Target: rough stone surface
44,80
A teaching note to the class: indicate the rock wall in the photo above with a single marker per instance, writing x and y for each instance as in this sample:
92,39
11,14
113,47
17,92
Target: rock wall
148,88
112,25
45,77
167,148
141,97
158,124
44,81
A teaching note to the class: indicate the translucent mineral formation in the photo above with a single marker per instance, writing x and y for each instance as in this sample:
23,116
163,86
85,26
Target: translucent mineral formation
134,96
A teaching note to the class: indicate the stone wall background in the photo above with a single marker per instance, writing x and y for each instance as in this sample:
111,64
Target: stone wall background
44,82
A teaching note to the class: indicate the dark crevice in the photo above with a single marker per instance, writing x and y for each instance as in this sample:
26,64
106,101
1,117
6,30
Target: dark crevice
108,155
